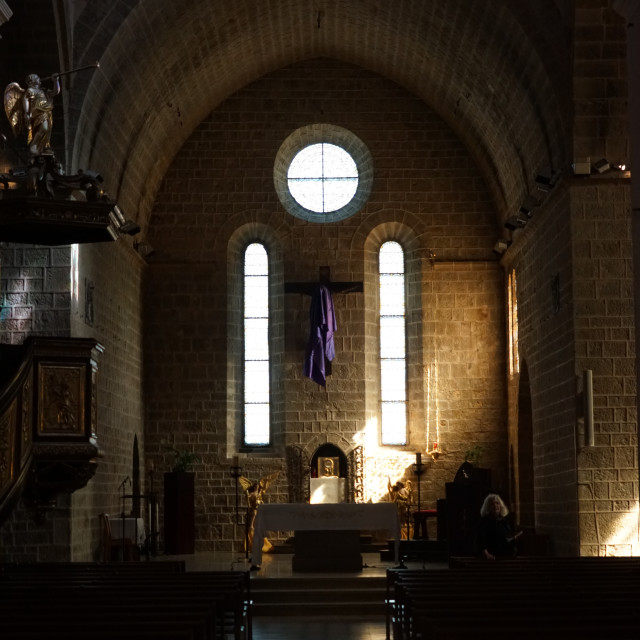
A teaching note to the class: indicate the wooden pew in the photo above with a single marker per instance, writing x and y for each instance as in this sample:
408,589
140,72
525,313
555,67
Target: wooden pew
217,603
495,599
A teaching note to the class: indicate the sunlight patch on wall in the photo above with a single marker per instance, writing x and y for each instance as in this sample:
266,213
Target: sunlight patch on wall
382,464
622,538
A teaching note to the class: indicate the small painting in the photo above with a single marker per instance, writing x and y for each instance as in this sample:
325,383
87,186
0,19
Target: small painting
328,467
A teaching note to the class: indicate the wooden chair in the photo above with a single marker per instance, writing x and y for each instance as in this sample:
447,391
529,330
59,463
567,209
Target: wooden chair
115,548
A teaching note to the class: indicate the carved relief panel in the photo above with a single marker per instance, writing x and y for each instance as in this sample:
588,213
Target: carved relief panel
7,447
62,399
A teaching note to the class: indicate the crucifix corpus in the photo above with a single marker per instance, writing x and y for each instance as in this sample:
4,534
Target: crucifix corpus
320,349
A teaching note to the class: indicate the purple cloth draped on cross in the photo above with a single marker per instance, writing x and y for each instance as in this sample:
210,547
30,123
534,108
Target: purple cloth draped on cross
320,348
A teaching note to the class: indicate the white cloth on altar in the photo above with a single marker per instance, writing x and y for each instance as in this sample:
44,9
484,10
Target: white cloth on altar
381,516
327,490
127,527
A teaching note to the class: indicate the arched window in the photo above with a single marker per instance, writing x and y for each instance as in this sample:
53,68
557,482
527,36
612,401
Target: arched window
323,178
323,173
393,363
514,356
256,387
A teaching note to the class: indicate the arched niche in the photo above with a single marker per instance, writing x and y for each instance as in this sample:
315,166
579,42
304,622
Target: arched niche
328,475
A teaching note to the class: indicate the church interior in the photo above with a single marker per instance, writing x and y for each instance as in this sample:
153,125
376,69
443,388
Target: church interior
465,262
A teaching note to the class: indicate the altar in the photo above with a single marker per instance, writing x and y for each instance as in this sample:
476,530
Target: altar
322,519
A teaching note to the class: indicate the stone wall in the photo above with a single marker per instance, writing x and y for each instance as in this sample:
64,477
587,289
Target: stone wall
543,272
111,275
35,300
605,344
219,194
88,292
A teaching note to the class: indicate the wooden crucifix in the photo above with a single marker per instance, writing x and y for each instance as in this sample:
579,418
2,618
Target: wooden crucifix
324,277
320,348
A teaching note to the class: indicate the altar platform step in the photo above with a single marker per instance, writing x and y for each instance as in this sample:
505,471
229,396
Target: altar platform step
319,596
419,550
367,545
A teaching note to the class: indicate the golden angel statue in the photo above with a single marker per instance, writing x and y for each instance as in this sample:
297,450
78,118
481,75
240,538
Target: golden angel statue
402,494
255,493
30,110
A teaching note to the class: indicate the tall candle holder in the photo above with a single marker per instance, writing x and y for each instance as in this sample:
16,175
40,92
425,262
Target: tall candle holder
236,472
418,470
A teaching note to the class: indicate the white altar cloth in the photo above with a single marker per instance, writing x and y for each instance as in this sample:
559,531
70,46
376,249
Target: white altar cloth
127,527
381,516
327,490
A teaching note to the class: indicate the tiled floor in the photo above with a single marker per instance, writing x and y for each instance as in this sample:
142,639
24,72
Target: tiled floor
299,628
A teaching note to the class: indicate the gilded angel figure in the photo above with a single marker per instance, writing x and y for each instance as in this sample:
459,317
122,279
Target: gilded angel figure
402,494
255,493
30,110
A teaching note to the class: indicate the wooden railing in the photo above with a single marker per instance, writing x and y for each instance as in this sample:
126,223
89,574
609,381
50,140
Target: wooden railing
48,441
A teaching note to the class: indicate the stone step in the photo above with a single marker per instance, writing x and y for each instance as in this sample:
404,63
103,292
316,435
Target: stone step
421,550
367,545
319,596
320,609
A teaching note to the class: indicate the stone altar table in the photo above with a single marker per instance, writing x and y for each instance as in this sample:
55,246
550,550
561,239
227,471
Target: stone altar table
382,516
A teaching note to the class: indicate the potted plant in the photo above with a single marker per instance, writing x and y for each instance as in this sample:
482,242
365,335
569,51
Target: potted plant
469,469
184,460
179,504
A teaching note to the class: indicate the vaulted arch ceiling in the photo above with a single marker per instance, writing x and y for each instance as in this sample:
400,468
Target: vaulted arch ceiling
497,71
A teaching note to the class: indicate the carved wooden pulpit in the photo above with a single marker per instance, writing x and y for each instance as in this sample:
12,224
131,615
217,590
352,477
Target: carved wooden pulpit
48,408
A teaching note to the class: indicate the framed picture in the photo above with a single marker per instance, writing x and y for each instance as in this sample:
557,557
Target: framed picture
328,467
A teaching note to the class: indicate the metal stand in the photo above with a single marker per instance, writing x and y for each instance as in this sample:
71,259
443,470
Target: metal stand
236,472
123,499
150,547
418,470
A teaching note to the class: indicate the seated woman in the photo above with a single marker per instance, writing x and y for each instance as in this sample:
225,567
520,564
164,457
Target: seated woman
495,536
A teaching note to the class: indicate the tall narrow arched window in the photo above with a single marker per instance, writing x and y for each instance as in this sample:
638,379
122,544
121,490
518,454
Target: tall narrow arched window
256,389
514,356
393,362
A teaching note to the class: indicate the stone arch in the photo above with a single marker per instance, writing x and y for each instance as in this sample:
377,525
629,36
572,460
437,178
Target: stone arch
498,109
304,456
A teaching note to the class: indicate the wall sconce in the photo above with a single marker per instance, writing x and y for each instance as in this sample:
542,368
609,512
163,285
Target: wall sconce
587,398
601,166
436,452
546,179
582,166
432,258
121,225
501,246
143,248
516,222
